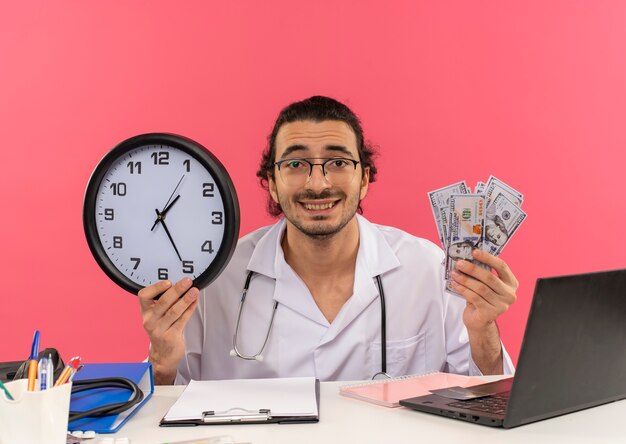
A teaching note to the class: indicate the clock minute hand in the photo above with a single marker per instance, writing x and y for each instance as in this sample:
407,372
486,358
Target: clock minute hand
160,218
161,215
167,204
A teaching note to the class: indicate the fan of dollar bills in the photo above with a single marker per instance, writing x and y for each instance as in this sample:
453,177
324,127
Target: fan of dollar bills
485,219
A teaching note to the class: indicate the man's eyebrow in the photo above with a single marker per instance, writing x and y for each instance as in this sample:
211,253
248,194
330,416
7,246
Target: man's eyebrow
340,149
292,149
299,148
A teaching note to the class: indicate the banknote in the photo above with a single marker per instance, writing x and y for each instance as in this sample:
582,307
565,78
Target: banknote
440,204
466,231
496,187
502,218
484,220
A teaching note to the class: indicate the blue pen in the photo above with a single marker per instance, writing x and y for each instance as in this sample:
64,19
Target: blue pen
32,365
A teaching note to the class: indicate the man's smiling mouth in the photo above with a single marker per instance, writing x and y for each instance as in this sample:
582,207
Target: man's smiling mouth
319,206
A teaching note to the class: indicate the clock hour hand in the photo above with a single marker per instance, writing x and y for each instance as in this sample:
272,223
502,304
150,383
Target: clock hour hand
161,215
160,218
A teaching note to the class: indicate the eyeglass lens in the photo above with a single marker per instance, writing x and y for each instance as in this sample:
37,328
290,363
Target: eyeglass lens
337,171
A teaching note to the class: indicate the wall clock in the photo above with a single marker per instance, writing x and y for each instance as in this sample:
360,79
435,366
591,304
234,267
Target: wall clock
160,206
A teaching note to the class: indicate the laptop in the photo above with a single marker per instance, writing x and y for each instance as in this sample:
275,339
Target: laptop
573,357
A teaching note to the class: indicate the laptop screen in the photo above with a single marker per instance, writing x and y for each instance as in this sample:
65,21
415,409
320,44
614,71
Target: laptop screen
573,354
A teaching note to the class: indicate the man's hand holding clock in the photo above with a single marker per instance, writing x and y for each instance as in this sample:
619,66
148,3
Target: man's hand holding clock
164,320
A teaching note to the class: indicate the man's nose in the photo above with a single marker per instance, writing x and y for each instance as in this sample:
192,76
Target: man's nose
317,179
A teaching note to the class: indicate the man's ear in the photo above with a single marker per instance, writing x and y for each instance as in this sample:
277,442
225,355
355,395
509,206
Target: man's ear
365,182
271,185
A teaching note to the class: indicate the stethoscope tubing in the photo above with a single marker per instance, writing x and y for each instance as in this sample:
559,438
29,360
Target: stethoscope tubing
259,357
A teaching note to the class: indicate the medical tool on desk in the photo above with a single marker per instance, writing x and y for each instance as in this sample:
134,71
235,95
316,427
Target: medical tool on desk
259,355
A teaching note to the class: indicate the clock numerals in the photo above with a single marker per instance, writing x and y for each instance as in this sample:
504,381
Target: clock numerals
160,157
218,218
188,267
117,242
208,190
134,167
119,189
207,247
154,200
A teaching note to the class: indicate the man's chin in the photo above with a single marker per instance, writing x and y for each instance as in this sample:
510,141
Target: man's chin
320,230
319,227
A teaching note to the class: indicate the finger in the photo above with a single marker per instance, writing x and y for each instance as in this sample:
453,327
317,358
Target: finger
501,267
180,311
147,294
482,275
499,301
181,322
471,297
171,296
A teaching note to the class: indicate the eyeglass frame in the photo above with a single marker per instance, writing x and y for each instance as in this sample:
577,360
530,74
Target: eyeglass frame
307,160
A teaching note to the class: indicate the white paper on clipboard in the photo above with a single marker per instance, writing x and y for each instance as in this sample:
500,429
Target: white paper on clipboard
281,396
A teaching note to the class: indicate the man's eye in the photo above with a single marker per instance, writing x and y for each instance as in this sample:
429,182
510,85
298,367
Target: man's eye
339,163
294,164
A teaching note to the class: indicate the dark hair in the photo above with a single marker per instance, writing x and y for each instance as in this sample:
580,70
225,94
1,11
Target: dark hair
317,109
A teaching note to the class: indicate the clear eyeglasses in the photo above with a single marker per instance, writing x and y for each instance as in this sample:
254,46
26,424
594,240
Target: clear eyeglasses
337,170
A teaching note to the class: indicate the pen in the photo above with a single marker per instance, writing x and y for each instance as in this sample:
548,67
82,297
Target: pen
43,373
6,391
50,372
32,365
69,369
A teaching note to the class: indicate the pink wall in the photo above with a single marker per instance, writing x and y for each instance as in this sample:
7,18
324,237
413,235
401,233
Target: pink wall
533,92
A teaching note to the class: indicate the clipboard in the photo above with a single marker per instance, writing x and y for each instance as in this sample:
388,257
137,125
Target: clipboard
285,401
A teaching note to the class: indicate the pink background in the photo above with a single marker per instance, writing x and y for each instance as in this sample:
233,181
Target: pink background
533,92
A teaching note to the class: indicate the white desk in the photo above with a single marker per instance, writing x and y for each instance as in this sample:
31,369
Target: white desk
347,420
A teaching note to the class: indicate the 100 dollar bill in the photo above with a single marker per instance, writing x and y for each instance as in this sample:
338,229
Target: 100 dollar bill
495,187
440,204
467,222
502,219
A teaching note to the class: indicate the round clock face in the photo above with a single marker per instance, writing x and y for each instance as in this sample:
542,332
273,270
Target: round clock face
160,206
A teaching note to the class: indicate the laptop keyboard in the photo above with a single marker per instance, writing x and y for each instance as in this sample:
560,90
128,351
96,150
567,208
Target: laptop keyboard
491,404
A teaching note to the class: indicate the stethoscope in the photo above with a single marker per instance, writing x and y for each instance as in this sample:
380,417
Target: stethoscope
259,355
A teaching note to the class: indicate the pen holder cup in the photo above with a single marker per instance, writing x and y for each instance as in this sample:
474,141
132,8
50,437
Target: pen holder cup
34,417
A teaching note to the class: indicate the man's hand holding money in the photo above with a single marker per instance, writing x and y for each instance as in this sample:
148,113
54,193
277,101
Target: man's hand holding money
473,230
488,295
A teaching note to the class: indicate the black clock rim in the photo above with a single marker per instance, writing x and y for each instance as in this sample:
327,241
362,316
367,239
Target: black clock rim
202,155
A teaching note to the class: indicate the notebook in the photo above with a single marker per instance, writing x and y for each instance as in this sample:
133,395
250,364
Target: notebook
572,357
389,392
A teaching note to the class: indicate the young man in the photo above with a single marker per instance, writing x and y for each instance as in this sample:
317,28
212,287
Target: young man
330,294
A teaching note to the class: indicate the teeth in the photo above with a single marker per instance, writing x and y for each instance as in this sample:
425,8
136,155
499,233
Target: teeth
319,206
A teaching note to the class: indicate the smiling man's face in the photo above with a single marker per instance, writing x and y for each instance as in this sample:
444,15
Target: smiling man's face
317,207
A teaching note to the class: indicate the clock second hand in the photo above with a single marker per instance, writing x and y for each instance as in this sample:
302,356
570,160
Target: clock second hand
162,220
